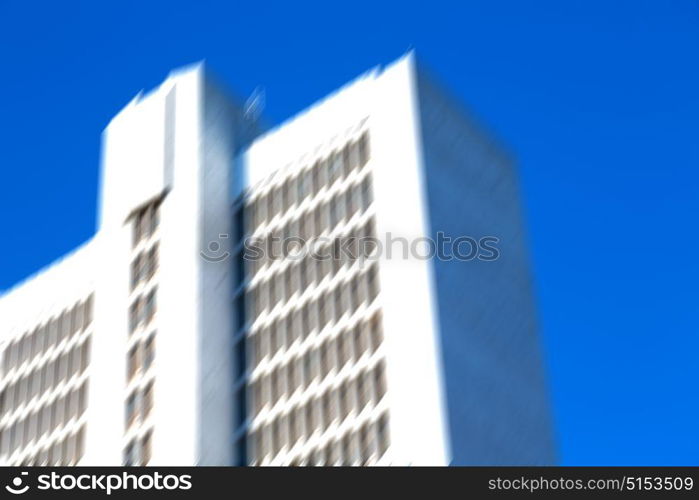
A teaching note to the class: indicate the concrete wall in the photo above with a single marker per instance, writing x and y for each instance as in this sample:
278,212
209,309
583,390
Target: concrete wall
497,396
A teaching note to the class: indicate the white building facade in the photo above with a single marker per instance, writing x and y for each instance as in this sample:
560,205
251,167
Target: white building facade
163,342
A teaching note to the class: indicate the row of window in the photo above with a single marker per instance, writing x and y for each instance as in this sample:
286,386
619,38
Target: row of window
311,261
142,310
144,266
327,214
308,182
310,269
48,335
139,404
145,222
357,447
308,227
350,344
67,451
138,450
44,420
140,357
45,378
315,314
285,380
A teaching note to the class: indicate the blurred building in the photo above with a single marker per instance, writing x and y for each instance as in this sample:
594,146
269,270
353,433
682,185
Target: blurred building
166,341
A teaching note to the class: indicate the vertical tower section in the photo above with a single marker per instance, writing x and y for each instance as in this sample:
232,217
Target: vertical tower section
418,424
166,389
344,365
496,392
311,315
46,329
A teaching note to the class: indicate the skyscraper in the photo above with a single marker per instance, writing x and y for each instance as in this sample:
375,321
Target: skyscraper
230,311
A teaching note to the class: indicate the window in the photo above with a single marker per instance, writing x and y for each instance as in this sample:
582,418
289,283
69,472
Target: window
311,228
146,448
363,149
382,434
269,204
283,431
288,289
147,400
324,360
362,391
304,185
353,155
83,398
134,314
335,168
366,193
152,262
379,381
154,217
343,401
64,332
328,414
277,201
274,386
129,454
136,235
355,296
87,312
275,437
317,181
150,306
372,283
344,348
259,208
306,369
130,409
256,389
36,340
340,205
347,304
136,271
148,352
337,293
132,362
353,199
85,354
62,368
145,222
148,222
293,428
375,331
346,160
265,437
291,190
335,454
79,443
53,338
316,423
266,390
333,212
292,333
305,321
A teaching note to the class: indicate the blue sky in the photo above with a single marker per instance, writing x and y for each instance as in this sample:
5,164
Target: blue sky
598,100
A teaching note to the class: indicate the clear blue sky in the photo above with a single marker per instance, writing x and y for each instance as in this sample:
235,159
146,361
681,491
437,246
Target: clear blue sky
599,100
